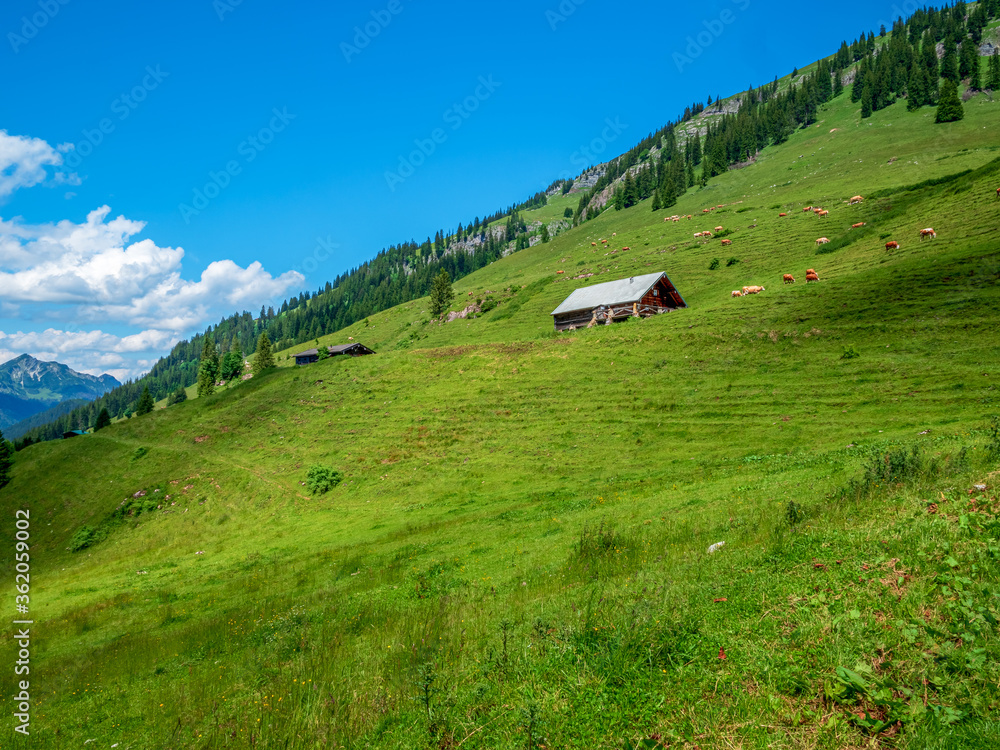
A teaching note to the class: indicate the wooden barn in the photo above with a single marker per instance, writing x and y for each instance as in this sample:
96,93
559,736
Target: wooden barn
351,350
638,296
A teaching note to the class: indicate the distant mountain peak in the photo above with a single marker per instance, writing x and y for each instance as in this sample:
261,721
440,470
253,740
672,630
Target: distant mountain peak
29,386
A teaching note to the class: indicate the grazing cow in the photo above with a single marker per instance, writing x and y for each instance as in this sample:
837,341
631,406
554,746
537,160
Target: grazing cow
753,289
718,229
614,234
697,234
727,242
811,277
810,272
782,214
856,199
720,205
788,279
893,245
808,208
593,244
928,233
736,293
998,192
667,219
626,248
704,210
859,224
822,241
824,213
817,210
556,272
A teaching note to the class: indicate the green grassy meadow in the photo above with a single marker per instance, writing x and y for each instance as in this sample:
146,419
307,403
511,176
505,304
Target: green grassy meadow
517,554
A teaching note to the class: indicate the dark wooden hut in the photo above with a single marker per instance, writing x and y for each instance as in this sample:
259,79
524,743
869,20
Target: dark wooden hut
638,296
351,350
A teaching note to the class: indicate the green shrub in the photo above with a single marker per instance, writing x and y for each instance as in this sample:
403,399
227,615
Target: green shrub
139,453
850,353
322,479
82,539
714,264
732,262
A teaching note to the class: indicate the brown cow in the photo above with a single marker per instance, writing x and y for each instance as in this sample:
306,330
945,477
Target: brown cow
788,279
859,224
810,271
856,199
727,242
928,233
893,245
823,213
718,229
822,241
811,277
593,244
626,248
736,293
753,289
817,210
782,214
808,208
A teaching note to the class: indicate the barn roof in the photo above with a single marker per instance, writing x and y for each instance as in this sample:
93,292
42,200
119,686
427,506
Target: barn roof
308,353
620,292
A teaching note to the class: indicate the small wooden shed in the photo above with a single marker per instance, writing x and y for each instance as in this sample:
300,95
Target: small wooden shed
637,296
351,350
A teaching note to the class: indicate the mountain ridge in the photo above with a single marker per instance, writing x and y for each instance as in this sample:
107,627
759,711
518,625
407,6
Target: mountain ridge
29,386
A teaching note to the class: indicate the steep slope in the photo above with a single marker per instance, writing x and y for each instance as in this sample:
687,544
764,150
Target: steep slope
517,553
29,386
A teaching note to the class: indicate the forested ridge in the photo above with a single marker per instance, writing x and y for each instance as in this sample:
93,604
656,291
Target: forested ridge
706,141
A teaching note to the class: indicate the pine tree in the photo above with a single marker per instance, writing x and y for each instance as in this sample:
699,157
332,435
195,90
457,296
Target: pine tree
968,58
866,102
264,357
975,75
916,90
656,201
950,106
145,403
441,293
838,84
545,232
993,72
103,420
949,63
6,459
208,370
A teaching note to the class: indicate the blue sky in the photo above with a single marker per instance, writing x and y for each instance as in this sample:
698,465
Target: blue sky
166,163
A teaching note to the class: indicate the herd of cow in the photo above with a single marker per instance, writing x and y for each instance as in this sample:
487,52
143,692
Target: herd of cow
787,278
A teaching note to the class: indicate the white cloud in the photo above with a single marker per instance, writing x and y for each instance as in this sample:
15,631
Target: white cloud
92,267
91,273
23,162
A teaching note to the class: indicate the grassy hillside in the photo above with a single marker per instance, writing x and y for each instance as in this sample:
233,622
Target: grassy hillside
517,554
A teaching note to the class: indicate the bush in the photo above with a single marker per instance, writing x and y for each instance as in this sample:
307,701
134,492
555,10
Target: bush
488,305
568,213
850,353
322,479
714,264
177,396
732,262
82,539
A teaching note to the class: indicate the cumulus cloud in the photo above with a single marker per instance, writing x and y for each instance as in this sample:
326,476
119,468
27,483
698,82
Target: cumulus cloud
93,267
23,163
92,273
